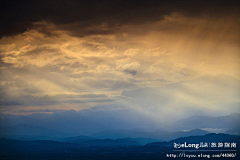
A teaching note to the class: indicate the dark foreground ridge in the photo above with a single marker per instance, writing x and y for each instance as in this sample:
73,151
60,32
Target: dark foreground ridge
102,149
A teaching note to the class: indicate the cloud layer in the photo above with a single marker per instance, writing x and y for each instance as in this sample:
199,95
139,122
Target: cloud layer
75,58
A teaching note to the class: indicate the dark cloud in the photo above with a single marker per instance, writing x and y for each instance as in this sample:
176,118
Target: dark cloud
123,85
18,15
29,100
40,110
130,71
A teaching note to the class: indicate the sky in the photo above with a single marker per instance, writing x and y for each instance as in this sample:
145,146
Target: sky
155,57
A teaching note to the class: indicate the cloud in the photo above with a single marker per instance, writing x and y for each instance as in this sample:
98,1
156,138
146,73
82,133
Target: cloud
7,47
36,100
103,68
40,110
131,52
105,15
181,70
130,68
90,60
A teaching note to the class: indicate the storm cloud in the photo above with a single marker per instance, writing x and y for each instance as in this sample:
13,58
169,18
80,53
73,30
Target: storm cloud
18,16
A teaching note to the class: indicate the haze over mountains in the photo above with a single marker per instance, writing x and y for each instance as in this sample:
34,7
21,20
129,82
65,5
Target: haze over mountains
212,124
157,113
207,95
75,123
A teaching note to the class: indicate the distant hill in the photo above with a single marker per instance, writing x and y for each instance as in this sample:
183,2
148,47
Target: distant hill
110,142
233,131
230,122
159,135
27,130
71,122
77,139
90,141
213,137
101,148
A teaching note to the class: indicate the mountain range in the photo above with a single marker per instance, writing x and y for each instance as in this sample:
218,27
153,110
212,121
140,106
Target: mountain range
73,123
106,148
